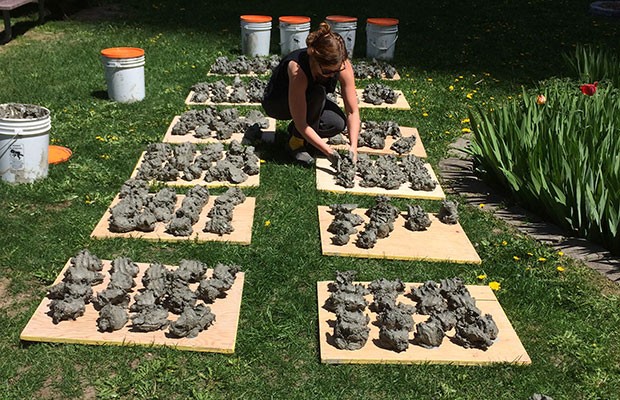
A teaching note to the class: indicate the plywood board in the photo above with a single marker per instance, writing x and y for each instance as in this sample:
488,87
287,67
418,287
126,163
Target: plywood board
417,150
249,74
219,337
440,242
253,180
396,77
243,217
189,102
506,349
189,136
401,102
325,181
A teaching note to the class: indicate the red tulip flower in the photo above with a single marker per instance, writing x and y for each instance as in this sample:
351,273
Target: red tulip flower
589,88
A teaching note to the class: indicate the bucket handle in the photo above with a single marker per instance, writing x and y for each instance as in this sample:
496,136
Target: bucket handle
385,48
13,139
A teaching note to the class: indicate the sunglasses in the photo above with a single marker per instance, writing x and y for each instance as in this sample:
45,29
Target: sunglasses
331,72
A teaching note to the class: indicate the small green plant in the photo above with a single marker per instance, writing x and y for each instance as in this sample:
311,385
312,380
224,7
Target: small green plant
593,63
556,150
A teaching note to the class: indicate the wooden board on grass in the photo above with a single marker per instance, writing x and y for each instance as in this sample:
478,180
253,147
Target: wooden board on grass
243,217
396,77
253,180
219,337
417,150
401,102
325,181
189,136
507,348
189,102
440,242
249,74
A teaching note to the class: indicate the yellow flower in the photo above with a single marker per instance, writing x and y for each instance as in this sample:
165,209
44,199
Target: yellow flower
429,79
516,258
262,161
470,95
504,243
542,259
465,130
482,277
105,156
451,88
495,286
560,253
560,268
99,138
465,121
530,254
88,200
268,223
425,114
481,205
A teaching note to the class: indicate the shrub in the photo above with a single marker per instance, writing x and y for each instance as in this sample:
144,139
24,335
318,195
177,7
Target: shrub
558,156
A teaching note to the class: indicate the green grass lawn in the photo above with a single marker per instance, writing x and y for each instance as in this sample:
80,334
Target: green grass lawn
451,55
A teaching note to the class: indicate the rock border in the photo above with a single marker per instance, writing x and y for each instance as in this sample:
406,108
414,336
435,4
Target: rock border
458,176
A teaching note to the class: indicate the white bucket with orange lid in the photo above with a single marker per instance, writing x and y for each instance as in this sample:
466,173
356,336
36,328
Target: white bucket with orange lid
124,73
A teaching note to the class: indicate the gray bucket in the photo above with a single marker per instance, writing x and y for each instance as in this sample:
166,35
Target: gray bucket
381,36
24,142
294,31
255,35
345,27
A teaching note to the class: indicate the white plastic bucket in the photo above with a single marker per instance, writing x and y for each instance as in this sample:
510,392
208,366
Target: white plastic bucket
255,35
24,145
124,73
293,33
381,36
345,27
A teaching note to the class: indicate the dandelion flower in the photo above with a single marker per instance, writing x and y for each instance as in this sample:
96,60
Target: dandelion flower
530,254
470,95
495,286
516,258
451,88
560,268
542,259
429,79
482,277
481,205
504,243
465,130
268,223
262,161
465,121
560,253
425,114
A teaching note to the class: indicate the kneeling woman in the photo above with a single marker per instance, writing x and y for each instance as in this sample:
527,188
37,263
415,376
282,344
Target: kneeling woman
298,90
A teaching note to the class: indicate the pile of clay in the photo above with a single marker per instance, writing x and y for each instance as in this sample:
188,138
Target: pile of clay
209,121
177,291
373,70
373,135
244,65
240,91
382,218
221,215
348,303
386,171
377,93
451,309
22,111
166,162
186,216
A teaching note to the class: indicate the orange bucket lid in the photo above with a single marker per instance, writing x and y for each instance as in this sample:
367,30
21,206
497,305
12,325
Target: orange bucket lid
340,18
255,18
294,19
122,52
58,154
383,21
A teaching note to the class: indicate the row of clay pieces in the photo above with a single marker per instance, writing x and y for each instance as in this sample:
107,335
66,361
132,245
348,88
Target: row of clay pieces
244,65
373,70
373,135
377,93
240,91
210,122
164,291
382,217
386,171
166,162
448,304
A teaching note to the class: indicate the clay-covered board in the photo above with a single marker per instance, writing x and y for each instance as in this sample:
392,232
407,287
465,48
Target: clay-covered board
396,77
417,150
401,102
189,136
243,217
189,102
219,337
440,242
325,181
253,180
507,348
